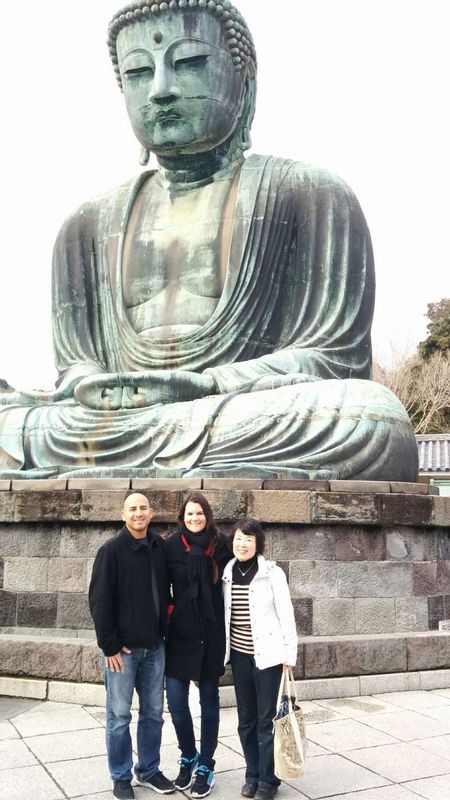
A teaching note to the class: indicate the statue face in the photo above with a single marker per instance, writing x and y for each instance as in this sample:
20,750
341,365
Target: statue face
181,90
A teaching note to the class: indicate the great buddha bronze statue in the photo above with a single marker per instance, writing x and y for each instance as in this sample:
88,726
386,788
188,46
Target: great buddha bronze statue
211,317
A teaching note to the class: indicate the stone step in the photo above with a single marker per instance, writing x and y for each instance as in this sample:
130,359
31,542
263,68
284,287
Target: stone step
76,660
185,484
334,502
93,694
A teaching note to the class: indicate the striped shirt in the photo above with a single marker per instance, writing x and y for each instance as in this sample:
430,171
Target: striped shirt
240,629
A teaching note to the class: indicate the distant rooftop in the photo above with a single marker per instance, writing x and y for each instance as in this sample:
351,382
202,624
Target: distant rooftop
434,452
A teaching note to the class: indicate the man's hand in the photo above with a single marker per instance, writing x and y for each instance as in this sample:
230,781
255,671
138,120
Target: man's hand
127,390
115,663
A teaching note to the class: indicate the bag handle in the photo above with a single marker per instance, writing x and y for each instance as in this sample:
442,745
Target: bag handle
288,687
287,684
291,686
283,687
293,693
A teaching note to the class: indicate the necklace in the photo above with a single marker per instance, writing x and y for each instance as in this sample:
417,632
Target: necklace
244,573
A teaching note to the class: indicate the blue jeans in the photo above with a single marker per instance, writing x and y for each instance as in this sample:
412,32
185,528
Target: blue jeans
256,698
178,702
144,671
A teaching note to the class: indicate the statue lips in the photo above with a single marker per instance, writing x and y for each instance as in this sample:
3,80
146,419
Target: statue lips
167,116
153,115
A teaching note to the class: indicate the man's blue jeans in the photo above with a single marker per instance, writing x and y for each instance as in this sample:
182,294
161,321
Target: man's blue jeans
178,702
144,671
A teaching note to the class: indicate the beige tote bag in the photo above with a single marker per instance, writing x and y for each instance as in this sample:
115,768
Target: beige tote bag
289,742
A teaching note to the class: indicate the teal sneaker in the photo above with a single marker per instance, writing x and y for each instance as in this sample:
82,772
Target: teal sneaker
185,775
204,781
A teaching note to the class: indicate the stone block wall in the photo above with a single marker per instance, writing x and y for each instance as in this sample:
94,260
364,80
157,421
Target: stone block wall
343,579
361,557
361,580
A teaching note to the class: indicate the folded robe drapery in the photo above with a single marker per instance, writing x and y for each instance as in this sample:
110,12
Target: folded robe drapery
298,299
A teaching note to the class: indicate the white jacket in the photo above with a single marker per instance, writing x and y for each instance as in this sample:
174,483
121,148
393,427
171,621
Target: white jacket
271,615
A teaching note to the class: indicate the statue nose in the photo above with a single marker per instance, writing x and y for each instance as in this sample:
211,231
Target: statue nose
163,89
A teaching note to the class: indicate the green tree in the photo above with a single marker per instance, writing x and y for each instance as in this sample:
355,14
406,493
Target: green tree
438,328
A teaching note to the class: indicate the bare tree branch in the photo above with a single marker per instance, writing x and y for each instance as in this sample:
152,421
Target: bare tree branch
423,386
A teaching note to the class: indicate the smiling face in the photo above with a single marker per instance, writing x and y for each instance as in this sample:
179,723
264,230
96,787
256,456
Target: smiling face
194,517
182,93
137,515
244,546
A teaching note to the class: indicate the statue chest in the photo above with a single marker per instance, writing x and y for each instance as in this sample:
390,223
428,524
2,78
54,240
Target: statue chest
175,256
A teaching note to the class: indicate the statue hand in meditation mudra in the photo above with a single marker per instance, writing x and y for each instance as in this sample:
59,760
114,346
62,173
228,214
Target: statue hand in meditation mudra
211,317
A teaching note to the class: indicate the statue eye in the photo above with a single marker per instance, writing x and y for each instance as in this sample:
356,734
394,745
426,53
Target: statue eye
145,71
191,62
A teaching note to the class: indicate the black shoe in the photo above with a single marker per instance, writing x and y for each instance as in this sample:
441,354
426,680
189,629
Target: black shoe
158,782
185,775
123,790
204,781
265,791
249,789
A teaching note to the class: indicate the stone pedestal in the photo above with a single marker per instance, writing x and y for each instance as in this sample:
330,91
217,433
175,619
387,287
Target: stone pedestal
368,566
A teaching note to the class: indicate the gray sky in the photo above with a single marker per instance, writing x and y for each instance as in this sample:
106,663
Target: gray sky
359,87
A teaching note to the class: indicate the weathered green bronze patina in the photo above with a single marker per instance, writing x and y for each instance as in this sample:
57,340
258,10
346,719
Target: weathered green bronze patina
212,317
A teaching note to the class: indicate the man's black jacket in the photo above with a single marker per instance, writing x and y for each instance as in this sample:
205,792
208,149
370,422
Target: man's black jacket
128,593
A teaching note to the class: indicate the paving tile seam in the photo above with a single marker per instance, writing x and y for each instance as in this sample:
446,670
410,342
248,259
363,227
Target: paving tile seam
409,743
54,781
419,713
423,713
369,728
343,756
43,764
389,782
51,778
328,752
416,743
369,769
404,785
87,711
427,738
323,704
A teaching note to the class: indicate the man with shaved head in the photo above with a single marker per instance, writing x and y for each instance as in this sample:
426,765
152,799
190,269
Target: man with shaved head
128,602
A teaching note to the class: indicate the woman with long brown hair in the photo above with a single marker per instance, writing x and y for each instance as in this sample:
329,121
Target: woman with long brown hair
196,556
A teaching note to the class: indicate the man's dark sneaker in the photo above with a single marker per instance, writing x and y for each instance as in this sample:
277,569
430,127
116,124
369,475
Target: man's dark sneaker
158,782
185,775
249,789
204,781
123,790
265,791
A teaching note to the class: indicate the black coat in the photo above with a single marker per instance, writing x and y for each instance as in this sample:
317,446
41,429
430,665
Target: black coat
128,593
195,649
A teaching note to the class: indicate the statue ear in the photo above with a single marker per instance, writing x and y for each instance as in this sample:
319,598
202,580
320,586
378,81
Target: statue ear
248,112
144,156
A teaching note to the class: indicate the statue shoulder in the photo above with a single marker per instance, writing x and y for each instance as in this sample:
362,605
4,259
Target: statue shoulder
306,178
84,220
317,178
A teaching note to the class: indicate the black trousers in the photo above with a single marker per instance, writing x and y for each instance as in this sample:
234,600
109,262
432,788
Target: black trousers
256,696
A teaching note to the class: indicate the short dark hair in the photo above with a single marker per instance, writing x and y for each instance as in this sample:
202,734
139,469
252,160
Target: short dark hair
249,527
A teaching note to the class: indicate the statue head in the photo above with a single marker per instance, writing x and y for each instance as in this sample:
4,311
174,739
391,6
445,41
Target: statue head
187,69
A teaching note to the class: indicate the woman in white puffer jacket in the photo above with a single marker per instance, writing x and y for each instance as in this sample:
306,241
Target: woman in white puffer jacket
261,641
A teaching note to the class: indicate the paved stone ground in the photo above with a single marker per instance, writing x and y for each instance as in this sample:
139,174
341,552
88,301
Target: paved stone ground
383,747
